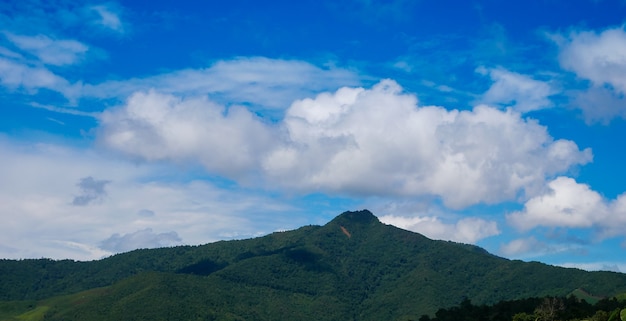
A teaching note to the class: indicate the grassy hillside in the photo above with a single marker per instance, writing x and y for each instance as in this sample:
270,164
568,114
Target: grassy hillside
353,268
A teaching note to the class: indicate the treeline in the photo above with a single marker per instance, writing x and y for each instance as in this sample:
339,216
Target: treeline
535,309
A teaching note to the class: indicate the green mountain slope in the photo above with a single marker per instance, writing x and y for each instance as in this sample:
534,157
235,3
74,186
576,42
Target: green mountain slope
353,268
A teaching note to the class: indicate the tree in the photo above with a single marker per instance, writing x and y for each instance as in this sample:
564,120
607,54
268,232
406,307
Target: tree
523,317
549,309
600,315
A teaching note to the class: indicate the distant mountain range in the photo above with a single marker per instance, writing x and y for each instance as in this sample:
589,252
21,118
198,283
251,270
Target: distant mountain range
352,268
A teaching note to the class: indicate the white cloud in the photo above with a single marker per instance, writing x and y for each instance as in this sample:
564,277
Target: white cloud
574,205
50,51
600,104
355,141
520,92
566,204
142,239
271,83
10,54
523,247
108,18
616,224
38,187
380,142
154,126
258,82
601,59
16,75
403,65
468,230
530,247
597,266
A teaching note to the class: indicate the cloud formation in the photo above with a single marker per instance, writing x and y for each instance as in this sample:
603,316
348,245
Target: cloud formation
260,81
27,68
142,239
467,230
599,58
354,141
523,246
378,141
50,51
517,91
16,75
108,18
39,184
154,126
570,204
91,190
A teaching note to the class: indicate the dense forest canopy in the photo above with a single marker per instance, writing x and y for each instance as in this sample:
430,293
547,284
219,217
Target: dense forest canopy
352,268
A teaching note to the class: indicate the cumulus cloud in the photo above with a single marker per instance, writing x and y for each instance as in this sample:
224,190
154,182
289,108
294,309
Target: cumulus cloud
570,204
599,58
378,141
354,141
142,239
154,126
520,92
92,190
50,51
467,230
566,204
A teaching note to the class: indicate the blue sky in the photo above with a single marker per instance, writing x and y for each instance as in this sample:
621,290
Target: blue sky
135,125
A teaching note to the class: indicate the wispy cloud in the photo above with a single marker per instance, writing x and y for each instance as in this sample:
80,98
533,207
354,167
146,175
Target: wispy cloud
597,266
108,17
50,51
270,83
69,111
523,246
20,76
517,91
258,82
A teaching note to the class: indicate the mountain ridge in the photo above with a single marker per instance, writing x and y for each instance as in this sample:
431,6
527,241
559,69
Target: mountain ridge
352,262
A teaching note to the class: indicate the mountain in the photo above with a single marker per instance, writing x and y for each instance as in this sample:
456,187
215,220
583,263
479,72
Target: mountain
352,268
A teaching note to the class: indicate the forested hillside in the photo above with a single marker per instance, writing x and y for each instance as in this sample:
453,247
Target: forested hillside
353,268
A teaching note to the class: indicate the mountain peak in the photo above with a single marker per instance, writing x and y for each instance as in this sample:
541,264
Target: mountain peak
351,217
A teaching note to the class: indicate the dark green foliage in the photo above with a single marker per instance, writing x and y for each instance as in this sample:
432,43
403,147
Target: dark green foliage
204,267
532,309
353,268
11,308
